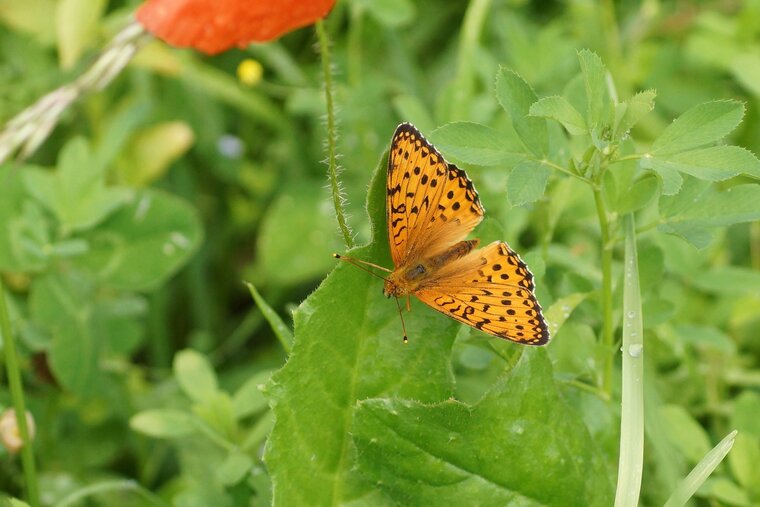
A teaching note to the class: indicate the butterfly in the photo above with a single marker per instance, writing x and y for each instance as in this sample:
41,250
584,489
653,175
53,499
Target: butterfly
431,207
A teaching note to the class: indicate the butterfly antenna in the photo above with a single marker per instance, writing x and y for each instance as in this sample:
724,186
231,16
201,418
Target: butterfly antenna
403,326
359,264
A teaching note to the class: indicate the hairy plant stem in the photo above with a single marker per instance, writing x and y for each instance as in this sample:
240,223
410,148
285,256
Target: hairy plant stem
607,325
324,48
17,396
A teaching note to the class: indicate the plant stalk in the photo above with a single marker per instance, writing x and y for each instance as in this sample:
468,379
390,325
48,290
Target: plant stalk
608,327
17,396
337,198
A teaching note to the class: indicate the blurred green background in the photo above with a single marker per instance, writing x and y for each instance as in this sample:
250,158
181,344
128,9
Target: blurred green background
126,238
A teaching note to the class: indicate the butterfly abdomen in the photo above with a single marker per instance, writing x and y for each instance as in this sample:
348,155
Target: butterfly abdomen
453,253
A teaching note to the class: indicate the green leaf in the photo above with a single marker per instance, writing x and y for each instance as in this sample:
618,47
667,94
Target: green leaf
629,112
144,243
746,70
708,209
520,445
195,375
283,332
729,280
218,412
76,25
671,178
594,79
287,259
527,182
516,96
726,491
63,304
164,423
684,432
637,196
744,461
474,144
232,470
26,232
702,471
152,150
75,193
699,126
716,163
559,109
744,417
706,337
348,348
560,311
249,398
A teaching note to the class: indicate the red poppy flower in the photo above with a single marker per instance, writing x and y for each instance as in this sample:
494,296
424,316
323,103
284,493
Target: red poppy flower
213,26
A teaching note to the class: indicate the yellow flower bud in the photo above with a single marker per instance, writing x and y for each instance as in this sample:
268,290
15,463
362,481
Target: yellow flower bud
10,435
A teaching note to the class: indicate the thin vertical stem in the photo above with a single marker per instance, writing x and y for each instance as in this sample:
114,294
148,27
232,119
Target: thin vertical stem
608,327
17,396
324,46
472,26
631,461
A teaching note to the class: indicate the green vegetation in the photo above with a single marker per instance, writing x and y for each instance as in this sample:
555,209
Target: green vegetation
173,319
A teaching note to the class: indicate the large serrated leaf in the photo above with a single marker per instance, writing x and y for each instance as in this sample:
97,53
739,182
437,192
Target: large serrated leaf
348,348
715,163
559,109
475,144
597,96
516,97
520,445
699,126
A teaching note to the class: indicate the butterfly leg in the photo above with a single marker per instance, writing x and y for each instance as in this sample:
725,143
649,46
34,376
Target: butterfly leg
408,303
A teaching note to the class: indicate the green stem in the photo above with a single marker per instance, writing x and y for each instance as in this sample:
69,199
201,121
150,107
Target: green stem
631,461
324,46
607,324
557,167
474,18
17,395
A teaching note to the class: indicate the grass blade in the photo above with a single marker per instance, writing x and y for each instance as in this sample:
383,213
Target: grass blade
632,420
702,471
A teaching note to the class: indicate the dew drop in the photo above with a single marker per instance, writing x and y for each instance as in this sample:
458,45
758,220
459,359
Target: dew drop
631,315
635,350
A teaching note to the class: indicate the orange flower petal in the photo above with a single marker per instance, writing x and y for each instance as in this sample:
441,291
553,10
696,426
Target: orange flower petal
213,26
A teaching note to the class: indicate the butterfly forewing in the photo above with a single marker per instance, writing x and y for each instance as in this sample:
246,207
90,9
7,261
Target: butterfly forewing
431,204
490,289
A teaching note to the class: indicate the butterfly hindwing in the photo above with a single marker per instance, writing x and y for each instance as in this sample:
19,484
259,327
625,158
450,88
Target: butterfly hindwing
430,203
490,289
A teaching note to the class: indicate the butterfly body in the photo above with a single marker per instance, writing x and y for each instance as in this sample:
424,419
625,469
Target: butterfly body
406,280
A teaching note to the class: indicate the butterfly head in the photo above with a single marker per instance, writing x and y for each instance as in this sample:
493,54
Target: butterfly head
391,289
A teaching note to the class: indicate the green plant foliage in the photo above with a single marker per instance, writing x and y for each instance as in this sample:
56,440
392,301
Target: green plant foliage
157,376
336,363
452,454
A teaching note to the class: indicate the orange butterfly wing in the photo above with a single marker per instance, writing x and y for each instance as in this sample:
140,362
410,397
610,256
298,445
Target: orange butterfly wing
431,204
490,289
